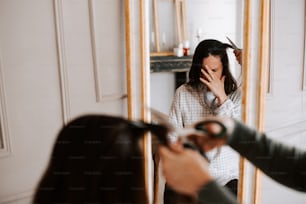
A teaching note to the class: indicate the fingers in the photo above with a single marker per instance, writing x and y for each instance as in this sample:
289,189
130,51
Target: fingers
186,172
177,147
204,81
164,151
208,74
238,54
212,144
172,150
205,143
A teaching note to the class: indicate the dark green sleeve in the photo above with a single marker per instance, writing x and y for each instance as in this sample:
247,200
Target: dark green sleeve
213,193
285,164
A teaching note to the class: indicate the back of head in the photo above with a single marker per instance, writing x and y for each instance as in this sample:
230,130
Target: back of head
96,159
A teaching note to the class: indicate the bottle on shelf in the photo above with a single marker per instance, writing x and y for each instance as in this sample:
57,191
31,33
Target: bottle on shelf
186,48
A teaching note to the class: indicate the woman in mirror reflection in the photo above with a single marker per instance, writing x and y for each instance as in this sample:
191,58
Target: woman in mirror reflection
211,90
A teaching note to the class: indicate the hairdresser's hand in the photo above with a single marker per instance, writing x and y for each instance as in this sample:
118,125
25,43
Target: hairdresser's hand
185,170
206,142
214,83
238,54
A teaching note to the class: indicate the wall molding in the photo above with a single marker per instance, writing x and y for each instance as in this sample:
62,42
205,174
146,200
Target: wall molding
288,129
112,97
5,147
62,64
93,39
17,197
100,97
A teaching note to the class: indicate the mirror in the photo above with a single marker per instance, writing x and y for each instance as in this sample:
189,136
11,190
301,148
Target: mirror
258,75
204,20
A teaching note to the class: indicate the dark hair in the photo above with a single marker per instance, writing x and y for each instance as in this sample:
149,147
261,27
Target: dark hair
203,50
96,159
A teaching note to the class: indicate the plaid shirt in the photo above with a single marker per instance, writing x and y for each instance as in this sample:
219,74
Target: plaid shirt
190,106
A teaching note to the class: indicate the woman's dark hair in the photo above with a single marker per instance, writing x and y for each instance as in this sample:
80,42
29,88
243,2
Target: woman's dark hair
96,159
203,50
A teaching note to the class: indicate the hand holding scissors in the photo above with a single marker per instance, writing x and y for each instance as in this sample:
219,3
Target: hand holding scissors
237,51
203,135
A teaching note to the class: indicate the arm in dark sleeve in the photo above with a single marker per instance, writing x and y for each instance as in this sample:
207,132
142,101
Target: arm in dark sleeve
214,193
286,165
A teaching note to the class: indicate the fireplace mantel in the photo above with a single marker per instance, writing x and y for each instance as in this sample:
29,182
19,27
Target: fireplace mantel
170,63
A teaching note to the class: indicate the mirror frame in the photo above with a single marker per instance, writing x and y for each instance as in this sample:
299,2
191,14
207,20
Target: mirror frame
143,49
263,67
304,68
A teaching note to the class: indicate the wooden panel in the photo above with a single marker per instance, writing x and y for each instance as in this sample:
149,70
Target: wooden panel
109,50
285,102
104,45
285,110
95,56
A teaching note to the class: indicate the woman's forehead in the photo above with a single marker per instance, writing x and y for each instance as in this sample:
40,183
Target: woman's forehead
212,60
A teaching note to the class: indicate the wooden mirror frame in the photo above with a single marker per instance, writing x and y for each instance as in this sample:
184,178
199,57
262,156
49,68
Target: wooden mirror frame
261,85
144,67
304,68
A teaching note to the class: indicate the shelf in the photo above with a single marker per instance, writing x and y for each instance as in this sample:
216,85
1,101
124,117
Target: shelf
170,63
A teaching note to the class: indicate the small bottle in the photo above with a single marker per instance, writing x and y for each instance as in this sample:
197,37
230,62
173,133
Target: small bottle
178,51
186,48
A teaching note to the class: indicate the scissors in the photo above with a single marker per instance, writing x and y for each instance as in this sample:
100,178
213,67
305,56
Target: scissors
233,44
198,129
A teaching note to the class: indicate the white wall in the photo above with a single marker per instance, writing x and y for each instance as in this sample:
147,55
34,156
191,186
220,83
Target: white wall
162,90
31,87
58,59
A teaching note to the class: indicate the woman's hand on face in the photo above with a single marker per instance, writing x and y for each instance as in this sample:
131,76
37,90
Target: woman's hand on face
214,83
